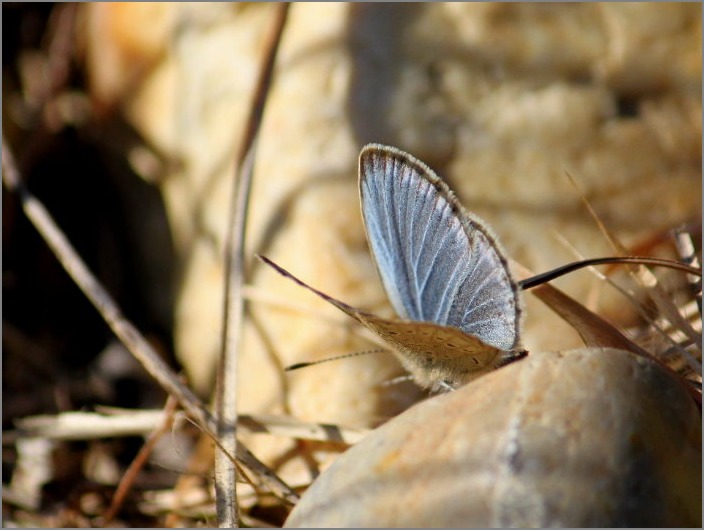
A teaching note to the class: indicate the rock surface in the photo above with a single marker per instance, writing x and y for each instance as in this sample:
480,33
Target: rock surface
590,437
499,98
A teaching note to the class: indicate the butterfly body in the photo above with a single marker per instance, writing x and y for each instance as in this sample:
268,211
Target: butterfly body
443,269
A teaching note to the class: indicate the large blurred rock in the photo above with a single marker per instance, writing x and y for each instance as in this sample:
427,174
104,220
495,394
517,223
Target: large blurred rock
590,438
500,99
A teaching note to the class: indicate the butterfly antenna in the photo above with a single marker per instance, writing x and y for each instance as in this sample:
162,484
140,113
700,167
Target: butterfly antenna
296,366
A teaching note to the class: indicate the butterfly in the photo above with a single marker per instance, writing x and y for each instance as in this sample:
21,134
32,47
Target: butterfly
443,269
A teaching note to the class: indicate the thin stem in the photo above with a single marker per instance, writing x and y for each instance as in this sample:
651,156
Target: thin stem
544,277
133,340
225,469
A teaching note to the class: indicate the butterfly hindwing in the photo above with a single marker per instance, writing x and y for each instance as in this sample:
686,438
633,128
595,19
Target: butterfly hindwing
433,353
430,352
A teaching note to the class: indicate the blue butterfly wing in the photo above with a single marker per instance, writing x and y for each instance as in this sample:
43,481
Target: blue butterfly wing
438,263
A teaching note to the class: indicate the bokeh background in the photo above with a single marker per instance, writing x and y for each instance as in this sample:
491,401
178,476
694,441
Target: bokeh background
125,120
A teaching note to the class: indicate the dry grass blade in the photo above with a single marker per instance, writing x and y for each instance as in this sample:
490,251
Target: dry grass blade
116,423
133,340
225,469
594,330
86,425
660,325
650,284
670,311
687,253
291,427
140,460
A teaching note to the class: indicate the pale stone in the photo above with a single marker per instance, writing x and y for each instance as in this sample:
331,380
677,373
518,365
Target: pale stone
499,99
589,437
502,125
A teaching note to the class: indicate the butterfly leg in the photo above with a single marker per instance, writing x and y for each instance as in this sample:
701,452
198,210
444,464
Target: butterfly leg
396,380
442,386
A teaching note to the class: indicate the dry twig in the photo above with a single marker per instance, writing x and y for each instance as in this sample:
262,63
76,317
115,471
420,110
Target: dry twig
165,422
112,423
133,340
225,469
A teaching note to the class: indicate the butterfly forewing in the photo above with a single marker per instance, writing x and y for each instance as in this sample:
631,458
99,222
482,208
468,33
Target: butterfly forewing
438,263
